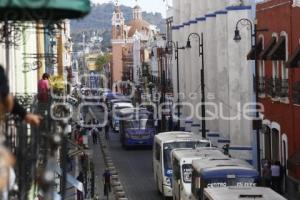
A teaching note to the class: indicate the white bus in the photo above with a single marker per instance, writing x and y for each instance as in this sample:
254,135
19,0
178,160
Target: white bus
237,193
182,168
221,172
163,144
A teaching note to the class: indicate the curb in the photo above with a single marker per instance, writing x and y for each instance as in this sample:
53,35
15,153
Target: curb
117,187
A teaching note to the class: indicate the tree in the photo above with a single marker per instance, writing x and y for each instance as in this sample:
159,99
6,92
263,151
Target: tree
102,60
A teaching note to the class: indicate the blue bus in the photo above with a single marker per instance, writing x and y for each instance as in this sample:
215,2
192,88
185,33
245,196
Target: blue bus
221,172
136,127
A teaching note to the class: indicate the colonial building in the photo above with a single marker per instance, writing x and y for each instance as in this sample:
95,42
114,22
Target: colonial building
33,49
227,73
279,88
128,41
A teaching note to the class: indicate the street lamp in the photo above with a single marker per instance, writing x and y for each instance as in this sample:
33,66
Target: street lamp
237,38
177,48
201,53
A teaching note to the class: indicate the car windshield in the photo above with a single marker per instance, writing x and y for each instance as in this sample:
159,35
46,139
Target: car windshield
168,147
187,173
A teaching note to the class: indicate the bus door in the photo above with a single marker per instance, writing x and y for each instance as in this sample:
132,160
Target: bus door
157,165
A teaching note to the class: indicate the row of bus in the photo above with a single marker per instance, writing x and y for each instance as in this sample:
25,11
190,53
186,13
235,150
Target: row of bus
135,124
186,167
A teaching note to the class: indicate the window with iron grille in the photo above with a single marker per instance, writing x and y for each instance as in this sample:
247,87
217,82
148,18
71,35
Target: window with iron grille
296,93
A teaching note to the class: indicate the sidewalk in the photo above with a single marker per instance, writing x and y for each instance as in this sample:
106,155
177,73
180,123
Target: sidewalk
99,170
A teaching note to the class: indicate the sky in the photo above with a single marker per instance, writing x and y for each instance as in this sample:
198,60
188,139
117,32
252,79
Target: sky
147,5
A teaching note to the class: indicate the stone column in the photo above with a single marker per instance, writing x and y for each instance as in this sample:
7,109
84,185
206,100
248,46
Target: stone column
222,72
211,66
240,84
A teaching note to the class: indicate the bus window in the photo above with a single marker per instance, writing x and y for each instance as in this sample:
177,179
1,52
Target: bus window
168,147
187,173
157,151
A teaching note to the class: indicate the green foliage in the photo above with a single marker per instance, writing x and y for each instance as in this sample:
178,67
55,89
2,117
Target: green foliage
102,60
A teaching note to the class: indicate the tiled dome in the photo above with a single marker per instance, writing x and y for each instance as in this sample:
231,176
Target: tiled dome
138,25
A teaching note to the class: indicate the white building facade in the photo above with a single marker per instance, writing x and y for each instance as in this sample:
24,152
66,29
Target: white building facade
228,73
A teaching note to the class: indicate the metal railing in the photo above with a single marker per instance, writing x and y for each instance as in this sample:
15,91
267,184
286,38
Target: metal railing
296,93
38,151
276,87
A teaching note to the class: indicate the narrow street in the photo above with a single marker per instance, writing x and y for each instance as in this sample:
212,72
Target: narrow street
134,166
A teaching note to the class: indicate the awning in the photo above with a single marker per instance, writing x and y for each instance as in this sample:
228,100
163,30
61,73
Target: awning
294,60
43,9
278,52
294,160
258,49
269,47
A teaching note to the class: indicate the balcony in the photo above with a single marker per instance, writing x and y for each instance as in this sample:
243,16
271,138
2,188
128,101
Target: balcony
296,93
277,88
269,86
281,88
261,85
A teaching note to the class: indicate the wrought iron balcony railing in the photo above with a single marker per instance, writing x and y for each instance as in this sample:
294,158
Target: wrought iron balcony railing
261,85
281,88
269,84
296,93
277,87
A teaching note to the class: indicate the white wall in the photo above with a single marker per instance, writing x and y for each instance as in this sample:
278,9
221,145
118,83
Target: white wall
228,75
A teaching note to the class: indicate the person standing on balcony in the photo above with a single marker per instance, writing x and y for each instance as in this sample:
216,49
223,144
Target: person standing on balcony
43,89
8,104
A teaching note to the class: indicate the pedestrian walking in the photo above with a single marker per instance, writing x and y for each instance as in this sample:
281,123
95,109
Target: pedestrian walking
95,135
107,182
267,174
107,131
276,177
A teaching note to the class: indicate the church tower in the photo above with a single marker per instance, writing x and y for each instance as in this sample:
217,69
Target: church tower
117,42
118,23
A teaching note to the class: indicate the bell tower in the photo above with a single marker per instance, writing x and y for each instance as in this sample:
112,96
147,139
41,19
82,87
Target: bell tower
118,22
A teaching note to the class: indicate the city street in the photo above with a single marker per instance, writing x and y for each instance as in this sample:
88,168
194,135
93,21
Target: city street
134,166
88,87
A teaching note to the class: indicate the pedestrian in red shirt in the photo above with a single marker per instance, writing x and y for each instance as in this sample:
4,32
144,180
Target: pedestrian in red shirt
43,89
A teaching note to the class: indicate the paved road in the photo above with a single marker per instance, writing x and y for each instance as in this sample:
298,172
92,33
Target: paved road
134,166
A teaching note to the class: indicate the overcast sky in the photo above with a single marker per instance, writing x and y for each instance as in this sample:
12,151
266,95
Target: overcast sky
147,5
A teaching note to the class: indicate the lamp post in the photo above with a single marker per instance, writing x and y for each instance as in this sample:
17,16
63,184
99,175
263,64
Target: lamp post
177,48
237,38
201,53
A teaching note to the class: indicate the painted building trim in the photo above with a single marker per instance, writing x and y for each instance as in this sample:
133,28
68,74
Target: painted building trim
210,15
235,8
221,12
241,148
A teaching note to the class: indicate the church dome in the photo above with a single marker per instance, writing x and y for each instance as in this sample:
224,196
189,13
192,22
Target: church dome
138,25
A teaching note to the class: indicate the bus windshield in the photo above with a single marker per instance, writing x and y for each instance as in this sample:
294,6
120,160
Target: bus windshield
139,124
168,147
187,173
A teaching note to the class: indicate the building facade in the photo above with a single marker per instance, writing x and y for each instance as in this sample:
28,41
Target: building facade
279,86
128,42
33,49
228,75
